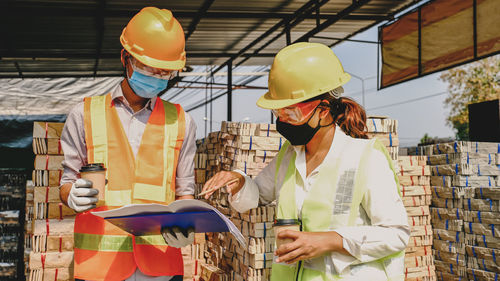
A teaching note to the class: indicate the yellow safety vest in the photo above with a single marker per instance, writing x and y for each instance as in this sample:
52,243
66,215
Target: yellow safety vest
102,250
332,202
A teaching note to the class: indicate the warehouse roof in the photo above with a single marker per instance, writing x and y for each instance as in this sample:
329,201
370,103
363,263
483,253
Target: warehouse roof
80,38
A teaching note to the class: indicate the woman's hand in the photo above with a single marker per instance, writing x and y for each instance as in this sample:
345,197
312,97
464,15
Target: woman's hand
221,179
307,245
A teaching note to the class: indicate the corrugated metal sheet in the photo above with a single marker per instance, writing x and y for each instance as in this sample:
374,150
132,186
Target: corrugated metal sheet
54,38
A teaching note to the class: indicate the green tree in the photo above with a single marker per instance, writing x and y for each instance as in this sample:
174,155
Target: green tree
475,82
425,139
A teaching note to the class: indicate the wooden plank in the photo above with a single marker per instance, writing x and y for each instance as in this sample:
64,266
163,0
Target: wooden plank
484,205
447,214
466,181
482,229
450,192
482,241
451,258
465,169
462,158
414,201
387,139
52,260
448,246
47,130
46,194
481,275
46,177
62,274
412,160
449,235
447,203
48,162
482,217
454,225
414,190
414,180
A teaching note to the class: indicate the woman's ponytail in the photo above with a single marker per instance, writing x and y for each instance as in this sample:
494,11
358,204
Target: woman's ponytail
351,117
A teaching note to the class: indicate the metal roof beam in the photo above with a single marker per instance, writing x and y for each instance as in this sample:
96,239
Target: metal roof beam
28,56
196,19
47,9
354,6
306,8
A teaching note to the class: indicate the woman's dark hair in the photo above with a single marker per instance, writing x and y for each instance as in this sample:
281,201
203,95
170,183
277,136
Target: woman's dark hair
348,114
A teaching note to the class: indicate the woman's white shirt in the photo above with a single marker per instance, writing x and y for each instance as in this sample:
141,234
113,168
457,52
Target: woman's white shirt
381,227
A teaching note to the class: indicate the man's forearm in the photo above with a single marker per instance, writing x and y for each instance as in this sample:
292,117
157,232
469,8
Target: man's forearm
184,197
64,192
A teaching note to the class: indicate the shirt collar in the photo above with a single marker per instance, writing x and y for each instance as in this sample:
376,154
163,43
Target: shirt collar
339,140
117,94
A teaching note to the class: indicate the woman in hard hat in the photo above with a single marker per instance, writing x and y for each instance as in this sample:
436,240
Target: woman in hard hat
339,185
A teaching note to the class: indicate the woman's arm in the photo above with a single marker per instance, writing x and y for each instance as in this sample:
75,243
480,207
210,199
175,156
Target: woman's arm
388,233
389,230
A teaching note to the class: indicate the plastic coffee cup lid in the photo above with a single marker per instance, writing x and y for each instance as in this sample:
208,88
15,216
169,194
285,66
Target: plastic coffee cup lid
94,167
281,222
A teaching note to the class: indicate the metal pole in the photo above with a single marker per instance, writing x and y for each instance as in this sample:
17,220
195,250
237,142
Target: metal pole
229,90
363,90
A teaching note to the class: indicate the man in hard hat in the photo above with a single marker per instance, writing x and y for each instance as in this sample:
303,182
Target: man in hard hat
147,146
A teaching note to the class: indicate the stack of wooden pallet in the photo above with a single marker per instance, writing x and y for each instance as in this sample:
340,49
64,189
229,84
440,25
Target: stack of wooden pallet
414,177
12,186
51,222
194,257
386,131
249,148
460,170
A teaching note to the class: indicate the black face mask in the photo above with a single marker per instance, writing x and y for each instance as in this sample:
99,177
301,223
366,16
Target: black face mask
297,134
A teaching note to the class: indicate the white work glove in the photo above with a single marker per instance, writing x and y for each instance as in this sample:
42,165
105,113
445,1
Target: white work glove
82,196
175,237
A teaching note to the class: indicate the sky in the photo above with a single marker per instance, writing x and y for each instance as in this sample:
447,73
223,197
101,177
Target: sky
418,105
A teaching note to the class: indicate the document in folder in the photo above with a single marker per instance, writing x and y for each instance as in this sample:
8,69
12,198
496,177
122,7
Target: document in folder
148,219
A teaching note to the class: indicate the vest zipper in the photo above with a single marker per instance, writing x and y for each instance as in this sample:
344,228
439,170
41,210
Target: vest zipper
298,271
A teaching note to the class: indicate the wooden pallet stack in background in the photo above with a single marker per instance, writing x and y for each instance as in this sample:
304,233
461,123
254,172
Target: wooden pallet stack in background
249,148
12,196
458,169
386,131
414,178
51,252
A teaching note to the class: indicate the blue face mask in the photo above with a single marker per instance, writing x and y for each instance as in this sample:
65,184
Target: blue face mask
146,86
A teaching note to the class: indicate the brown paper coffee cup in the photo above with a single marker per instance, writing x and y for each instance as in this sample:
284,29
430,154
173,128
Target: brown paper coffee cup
282,224
96,173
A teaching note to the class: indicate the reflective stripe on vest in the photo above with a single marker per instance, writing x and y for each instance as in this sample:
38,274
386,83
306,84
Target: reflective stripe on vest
343,177
102,250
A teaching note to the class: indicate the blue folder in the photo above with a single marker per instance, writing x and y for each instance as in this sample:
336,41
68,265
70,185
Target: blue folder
151,224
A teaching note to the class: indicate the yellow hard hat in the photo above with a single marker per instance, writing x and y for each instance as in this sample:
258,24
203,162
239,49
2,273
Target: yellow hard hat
302,71
155,38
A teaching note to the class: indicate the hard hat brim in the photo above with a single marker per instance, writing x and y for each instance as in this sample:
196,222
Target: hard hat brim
169,65
267,102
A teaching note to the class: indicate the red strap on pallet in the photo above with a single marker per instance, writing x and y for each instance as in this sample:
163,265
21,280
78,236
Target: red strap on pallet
47,225
55,277
60,243
43,261
411,160
60,211
59,147
46,129
412,182
47,162
47,194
